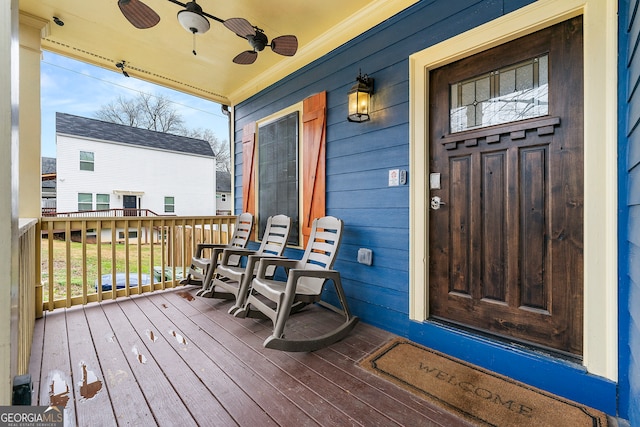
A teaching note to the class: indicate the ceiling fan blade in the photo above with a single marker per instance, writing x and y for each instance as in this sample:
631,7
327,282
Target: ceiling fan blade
245,58
139,14
285,45
240,26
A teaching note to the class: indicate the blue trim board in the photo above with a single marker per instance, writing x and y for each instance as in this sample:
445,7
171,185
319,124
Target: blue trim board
547,373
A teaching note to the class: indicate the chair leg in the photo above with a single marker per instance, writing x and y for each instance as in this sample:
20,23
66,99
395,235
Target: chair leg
187,280
283,309
207,284
241,295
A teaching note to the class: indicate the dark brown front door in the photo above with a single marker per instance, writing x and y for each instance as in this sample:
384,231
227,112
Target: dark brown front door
506,157
130,205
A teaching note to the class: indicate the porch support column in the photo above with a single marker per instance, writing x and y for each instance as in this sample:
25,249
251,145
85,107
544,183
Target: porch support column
9,138
31,29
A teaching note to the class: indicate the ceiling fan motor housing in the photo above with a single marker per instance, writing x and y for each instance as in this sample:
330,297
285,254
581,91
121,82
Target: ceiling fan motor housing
258,41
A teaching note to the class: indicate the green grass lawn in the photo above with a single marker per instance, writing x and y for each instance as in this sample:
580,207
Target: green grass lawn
92,250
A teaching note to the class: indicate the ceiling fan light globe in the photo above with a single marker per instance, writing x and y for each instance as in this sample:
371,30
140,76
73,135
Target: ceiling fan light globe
193,22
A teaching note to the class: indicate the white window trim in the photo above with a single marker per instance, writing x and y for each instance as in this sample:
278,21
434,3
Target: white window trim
600,159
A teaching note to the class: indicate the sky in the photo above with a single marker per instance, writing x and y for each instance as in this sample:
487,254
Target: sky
73,87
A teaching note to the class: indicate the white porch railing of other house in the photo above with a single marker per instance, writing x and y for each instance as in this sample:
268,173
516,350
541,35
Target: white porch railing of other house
77,263
50,212
28,261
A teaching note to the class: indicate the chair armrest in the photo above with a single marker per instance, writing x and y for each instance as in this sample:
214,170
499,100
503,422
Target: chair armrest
295,274
241,252
202,246
266,261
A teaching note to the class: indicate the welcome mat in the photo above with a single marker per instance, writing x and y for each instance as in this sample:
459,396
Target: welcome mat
482,397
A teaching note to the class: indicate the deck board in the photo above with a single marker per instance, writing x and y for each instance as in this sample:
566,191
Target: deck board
82,353
120,384
158,391
222,391
57,384
205,367
165,348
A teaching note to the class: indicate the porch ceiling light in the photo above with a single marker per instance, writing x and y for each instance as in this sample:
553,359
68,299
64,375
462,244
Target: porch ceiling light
360,99
193,20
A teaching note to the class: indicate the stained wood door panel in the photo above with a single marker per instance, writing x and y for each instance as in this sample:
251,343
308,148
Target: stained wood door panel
506,248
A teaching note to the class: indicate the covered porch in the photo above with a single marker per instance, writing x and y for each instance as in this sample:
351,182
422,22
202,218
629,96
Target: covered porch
397,43
169,358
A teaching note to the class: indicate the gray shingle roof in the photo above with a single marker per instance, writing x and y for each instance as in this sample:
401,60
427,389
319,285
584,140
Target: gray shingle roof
48,165
223,182
97,129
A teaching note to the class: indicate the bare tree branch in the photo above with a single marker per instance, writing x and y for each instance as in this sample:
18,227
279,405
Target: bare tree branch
156,112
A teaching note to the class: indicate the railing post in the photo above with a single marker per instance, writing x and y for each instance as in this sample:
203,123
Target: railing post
38,270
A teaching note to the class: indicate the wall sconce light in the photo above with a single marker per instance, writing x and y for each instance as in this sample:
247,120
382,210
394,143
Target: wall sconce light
360,99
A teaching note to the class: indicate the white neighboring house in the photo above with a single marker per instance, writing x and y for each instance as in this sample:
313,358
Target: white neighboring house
223,193
103,165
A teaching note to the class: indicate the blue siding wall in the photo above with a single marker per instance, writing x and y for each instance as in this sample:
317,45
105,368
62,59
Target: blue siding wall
359,156
629,99
376,216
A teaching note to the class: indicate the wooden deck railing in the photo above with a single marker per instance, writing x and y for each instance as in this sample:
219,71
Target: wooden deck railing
27,273
83,258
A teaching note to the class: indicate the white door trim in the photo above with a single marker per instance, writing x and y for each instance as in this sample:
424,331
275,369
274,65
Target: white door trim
600,159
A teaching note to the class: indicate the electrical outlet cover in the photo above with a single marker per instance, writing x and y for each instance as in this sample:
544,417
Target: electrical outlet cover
365,256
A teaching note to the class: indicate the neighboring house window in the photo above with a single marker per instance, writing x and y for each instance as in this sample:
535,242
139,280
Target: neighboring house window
169,205
278,172
131,234
86,161
102,202
85,201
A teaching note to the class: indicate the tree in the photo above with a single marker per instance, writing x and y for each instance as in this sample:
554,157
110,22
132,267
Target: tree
220,148
153,112
156,112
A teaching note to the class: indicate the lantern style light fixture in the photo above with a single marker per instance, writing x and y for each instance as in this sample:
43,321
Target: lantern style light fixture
360,99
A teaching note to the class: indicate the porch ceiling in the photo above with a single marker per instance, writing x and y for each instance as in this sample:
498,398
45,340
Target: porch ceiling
97,33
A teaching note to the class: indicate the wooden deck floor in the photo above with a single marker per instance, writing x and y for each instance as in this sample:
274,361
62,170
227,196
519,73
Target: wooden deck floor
170,359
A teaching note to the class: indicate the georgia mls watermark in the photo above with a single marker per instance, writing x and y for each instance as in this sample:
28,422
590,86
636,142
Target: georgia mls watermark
31,416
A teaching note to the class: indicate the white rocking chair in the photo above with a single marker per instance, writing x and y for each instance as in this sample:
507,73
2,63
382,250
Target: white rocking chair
234,279
305,282
202,268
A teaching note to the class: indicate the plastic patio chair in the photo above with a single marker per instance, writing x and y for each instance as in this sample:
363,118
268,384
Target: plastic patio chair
306,278
202,268
235,280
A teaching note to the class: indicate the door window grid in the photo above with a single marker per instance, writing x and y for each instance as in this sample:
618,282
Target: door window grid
506,95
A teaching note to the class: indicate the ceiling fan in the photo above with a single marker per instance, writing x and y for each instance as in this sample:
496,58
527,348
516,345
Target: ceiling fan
194,20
